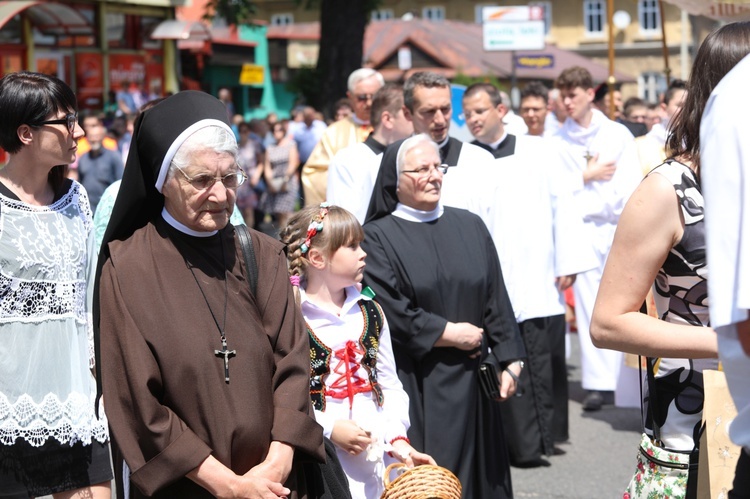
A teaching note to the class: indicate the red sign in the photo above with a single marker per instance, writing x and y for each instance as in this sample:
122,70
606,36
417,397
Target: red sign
145,70
90,79
126,68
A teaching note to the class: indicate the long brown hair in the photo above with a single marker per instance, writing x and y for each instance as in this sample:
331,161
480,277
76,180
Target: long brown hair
717,55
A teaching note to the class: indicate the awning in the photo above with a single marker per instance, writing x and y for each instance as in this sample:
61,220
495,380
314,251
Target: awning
723,10
181,30
48,17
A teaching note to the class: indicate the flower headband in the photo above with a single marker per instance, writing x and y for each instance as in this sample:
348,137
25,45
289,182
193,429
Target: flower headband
316,225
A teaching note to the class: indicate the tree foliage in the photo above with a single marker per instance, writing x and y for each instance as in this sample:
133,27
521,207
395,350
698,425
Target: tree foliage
232,11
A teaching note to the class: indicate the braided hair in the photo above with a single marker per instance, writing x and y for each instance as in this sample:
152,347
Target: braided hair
325,227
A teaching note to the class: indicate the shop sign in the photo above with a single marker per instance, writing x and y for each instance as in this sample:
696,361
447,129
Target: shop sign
302,54
513,28
90,80
126,68
145,70
535,61
252,74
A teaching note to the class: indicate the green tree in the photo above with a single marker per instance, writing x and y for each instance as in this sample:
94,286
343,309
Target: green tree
232,11
342,33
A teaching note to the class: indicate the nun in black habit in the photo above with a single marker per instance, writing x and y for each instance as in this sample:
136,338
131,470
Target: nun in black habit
205,379
437,276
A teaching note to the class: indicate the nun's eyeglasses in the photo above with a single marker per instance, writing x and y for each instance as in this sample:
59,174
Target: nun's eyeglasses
205,181
426,171
70,120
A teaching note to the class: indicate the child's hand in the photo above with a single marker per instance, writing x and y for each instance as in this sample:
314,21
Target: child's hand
350,437
409,456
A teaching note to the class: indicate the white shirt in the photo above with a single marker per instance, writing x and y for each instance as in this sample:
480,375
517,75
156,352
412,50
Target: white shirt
725,165
537,231
514,124
465,185
351,178
551,125
600,202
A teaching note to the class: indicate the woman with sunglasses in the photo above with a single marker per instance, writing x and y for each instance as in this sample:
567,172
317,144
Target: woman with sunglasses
52,440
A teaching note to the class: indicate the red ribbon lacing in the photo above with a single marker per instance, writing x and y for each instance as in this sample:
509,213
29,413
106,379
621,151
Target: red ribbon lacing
349,382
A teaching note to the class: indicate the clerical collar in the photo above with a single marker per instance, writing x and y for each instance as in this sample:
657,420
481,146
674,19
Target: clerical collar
497,143
374,145
183,228
413,215
505,147
359,122
444,142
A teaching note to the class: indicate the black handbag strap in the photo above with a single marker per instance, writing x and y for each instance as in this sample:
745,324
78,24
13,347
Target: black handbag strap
652,405
248,252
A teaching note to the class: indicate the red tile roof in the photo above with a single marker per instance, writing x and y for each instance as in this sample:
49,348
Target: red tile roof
452,46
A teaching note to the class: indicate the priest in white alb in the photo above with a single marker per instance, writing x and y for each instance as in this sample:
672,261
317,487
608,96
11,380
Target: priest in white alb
538,235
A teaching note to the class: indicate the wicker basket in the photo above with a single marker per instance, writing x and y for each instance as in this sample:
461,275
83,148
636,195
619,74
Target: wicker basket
421,482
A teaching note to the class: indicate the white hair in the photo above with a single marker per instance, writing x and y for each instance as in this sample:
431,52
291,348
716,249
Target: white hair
363,74
412,143
211,138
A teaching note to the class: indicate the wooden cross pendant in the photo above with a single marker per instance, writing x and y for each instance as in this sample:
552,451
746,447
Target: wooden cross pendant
588,156
227,354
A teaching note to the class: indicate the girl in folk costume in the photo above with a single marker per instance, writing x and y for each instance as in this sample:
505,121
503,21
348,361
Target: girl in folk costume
356,394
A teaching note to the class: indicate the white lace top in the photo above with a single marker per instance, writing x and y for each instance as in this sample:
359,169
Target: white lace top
46,386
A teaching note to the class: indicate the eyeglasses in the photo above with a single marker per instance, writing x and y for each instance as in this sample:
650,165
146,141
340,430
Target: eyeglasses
363,97
426,171
205,181
70,120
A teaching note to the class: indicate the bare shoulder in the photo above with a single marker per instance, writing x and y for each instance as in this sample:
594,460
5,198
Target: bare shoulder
654,209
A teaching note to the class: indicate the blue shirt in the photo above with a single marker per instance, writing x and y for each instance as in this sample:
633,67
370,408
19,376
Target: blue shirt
307,137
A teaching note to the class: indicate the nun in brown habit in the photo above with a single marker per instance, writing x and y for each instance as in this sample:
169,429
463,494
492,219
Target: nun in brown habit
205,382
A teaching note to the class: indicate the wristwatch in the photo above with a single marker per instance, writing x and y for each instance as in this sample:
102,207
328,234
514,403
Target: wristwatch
519,362
512,374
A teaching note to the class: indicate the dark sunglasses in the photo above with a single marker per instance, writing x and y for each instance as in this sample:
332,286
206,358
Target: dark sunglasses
70,120
363,97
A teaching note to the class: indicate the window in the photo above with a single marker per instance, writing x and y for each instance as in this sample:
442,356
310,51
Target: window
594,12
433,13
381,14
651,84
648,15
478,11
282,19
547,6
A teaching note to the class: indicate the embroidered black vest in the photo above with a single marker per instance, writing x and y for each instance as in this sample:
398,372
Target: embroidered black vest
320,356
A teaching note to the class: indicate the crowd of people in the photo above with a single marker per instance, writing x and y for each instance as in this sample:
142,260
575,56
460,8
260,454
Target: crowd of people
409,305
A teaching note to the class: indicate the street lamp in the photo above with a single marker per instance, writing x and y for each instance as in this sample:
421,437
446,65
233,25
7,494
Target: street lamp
619,20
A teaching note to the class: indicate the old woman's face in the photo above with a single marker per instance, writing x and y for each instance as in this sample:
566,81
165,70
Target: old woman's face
207,209
420,179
